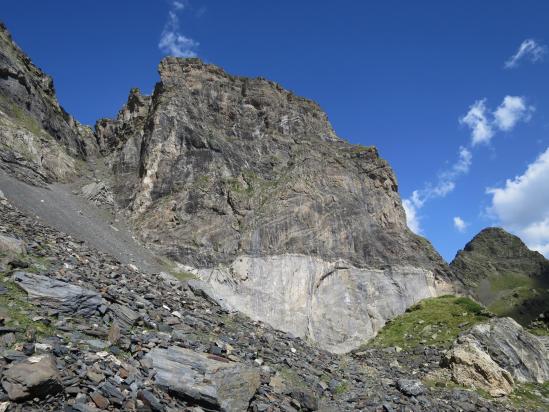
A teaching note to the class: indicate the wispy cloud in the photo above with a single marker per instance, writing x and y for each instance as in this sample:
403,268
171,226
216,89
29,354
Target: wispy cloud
445,184
512,110
477,120
172,42
460,224
522,204
528,49
484,123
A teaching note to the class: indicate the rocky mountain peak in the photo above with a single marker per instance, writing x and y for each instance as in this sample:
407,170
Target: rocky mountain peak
497,242
504,274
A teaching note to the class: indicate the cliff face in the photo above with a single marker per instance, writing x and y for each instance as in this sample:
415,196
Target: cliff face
249,187
500,271
243,184
40,141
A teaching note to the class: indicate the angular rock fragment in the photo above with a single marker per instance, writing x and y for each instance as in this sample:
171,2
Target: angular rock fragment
126,317
35,377
10,245
226,386
58,295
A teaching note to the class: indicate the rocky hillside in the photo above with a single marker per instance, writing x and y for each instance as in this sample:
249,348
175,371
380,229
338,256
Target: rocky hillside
40,142
248,187
81,332
503,274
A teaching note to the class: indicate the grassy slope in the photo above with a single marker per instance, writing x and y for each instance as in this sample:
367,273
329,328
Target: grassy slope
434,322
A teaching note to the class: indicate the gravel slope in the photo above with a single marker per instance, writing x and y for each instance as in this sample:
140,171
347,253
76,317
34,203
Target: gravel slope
56,206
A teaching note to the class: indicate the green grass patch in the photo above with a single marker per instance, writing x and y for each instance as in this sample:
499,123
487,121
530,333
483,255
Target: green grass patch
539,331
21,116
510,281
433,322
531,396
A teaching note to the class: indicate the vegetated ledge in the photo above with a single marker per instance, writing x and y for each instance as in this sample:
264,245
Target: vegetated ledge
431,322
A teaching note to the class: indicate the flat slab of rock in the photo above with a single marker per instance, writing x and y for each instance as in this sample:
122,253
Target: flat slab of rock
58,295
10,245
226,386
35,377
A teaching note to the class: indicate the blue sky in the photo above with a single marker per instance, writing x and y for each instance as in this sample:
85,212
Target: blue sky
432,84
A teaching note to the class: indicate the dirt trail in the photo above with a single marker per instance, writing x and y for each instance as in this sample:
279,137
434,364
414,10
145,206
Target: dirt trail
58,207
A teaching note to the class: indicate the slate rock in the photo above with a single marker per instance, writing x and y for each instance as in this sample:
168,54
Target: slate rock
64,297
226,386
126,317
35,377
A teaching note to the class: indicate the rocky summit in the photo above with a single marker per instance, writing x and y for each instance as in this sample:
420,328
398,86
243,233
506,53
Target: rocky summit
500,271
217,247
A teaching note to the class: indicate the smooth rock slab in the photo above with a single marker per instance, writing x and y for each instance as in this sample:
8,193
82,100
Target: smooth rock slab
35,377
226,386
62,296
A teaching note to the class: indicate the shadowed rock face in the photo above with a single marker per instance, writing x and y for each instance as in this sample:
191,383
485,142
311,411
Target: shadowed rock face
499,270
216,170
39,140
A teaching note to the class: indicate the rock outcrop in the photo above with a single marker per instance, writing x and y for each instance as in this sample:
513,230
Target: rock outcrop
495,355
471,366
249,186
40,142
499,270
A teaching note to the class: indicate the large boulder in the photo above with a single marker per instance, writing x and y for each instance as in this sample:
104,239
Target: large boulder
35,377
494,355
513,348
472,367
206,379
58,295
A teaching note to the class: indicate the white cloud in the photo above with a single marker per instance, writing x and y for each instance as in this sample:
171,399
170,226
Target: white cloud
522,205
177,5
445,184
460,224
172,42
528,49
477,121
512,110
411,215
484,123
